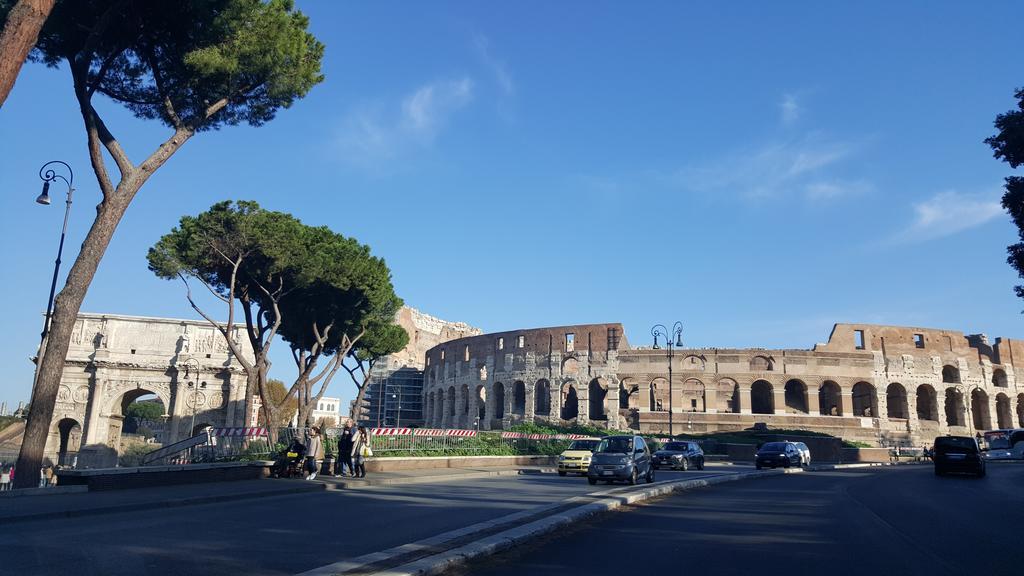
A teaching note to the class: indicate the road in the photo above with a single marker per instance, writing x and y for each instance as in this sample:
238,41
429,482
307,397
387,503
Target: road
866,521
278,535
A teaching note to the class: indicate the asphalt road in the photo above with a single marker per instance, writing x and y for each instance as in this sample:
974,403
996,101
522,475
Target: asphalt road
901,521
277,535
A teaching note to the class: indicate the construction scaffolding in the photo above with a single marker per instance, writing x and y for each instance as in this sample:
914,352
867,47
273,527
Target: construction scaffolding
393,398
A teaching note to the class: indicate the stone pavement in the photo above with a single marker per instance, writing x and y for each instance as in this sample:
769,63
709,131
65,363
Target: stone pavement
67,505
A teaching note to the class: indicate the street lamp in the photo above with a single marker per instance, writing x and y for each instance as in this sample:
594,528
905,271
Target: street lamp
191,366
673,339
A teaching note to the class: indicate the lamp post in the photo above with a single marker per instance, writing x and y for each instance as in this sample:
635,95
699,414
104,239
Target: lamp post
192,365
48,175
674,339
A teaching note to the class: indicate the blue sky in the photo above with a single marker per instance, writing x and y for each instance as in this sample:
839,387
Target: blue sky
758,171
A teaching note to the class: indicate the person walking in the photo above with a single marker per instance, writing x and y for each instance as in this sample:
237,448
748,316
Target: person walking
48,475
314,452
5,479
361,451
345,441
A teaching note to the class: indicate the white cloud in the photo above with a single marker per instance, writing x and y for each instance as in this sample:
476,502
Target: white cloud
372,133
497,68
789,108
827,190
949,212
774,169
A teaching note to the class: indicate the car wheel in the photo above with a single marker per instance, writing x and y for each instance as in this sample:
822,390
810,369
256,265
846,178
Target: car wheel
758,466
684,465
650,476
561,473
700,464
981,473
632,478
592,481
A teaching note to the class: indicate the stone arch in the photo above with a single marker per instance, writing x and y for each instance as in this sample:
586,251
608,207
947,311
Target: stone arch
481,403
830,399
597,391
728,396
693,363
659,395
980,413
865,400
201,427
499,401
70,432
999,378
430,409
439,417
796,396
629,394
1004,415
570,401
519,398
542,398
950,374
121,398
693,396
927,403
761,363
954,408
1020,410
762,397
450,408
464,404
896,401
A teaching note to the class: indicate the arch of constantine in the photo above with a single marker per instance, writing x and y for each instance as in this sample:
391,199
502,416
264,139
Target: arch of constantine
868,382
113,360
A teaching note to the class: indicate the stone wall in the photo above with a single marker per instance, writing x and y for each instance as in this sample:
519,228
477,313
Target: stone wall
883,384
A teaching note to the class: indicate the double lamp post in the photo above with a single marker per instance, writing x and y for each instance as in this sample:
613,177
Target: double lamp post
673,339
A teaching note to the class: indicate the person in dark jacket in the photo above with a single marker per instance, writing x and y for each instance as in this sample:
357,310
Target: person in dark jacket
345,440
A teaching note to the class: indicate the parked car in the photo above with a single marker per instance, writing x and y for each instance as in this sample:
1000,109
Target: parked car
774,454
805,453
621,458
679,455
576,458
958,454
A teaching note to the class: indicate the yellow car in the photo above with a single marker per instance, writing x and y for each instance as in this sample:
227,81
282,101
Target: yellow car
577,458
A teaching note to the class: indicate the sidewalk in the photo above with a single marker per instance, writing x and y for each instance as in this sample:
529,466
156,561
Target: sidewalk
67,505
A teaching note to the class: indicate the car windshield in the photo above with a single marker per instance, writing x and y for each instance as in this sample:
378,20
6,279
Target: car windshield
956,443
616,445
677,446
584,445
774,447
997,440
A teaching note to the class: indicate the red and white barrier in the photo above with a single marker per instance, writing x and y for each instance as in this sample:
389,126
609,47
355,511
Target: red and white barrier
238,432
469,433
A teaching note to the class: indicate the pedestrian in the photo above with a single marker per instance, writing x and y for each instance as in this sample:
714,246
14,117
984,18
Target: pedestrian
345,440
5,479
48,473
42,477
314,452
361,451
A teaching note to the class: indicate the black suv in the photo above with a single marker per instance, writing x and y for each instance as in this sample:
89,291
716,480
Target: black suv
679,455
958,454
774,454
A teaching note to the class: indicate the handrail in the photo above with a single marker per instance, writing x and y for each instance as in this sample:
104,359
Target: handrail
179,446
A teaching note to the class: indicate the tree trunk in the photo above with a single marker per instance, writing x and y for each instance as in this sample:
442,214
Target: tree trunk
18,38
357,407
65,313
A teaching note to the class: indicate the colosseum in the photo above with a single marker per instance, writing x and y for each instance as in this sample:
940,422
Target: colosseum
880,384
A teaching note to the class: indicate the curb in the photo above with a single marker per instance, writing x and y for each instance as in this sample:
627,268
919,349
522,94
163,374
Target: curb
332,485
438,563
171,503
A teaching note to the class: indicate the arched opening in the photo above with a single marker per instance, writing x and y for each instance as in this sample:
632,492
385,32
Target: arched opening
1020,410
980,414
659,395
596,394
954,408
830,399
570,402
70,441
762,400
628,394
796,397
499,400
999,378
199,428
950,374
896,401
464,402
761,364
542,398
865,402
1003,413
519,398
430,409
728,397
451,406
439,418
138,421
927,403
693,396
481,403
